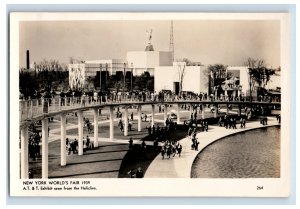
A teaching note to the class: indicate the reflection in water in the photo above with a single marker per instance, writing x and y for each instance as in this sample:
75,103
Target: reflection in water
252,154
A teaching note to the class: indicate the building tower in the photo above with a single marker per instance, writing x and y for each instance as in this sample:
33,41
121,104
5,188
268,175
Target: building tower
171,47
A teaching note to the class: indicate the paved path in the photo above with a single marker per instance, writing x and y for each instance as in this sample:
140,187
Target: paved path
180,167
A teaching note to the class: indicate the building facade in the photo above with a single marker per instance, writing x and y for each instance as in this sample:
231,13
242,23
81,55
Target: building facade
238,84
141,61
136,62
194,78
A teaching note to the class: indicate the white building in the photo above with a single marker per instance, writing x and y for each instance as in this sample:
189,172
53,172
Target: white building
240,73
137,61
141,61
195,78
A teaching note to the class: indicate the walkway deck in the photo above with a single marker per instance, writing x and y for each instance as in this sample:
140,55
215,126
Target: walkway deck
180,167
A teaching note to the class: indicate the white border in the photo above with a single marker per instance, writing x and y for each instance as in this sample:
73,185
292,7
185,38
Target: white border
160,187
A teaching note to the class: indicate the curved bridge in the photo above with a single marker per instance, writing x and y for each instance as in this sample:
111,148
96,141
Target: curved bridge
42,109
38,109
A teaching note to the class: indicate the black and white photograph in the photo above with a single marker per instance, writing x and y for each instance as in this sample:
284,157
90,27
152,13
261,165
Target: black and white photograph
173,103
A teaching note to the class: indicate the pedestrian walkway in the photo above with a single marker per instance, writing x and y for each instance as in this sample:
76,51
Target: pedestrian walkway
180,167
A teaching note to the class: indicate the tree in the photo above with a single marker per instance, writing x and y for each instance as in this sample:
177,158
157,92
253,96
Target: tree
181,72
187,61
27,83
46,76
143,82
258,74
217,74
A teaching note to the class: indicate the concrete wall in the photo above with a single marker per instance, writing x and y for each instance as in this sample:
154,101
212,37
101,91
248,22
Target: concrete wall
191,79
138,58
165,58
203,79
164,78
148,59
194,79
113,65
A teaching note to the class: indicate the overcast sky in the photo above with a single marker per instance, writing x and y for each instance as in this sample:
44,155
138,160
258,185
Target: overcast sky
210,42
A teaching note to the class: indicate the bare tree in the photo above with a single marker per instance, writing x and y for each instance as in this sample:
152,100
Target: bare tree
181,73
218,74
258,74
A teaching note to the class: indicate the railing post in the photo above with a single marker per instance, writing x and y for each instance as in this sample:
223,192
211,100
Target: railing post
139,118
31,108
152,115
63,157
45,148
178,113
165,112
24,153
26,109
216,111
80,132
96,127
111,123
191,111
59,103
43,105
203,111
227,110
126,121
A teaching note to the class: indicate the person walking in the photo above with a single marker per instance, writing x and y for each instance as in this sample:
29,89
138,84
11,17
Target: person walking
244,122
131,116
220,122
163,152
130,144
179,149
169,151
196,145
241,122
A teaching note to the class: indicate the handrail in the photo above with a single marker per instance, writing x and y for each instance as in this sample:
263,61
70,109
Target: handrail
36,107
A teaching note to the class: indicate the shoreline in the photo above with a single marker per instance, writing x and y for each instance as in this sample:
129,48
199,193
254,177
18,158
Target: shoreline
181,167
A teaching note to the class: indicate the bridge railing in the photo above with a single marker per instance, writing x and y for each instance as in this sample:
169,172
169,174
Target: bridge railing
35,107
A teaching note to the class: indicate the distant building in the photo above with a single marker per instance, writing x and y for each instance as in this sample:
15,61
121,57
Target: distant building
146,61
238,84
195,78
136,61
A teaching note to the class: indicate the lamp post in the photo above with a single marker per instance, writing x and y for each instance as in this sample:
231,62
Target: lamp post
124,79
100,77
131,67
250,82
106,74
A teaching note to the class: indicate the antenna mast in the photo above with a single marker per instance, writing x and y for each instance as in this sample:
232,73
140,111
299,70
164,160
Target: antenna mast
171,47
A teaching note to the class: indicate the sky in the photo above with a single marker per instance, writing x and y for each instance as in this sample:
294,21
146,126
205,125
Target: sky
226,42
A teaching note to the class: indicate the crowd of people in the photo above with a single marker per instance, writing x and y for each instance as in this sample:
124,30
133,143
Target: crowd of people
136,174
72,145
170,148
230,122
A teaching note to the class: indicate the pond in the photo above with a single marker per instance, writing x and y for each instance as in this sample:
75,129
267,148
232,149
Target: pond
251,154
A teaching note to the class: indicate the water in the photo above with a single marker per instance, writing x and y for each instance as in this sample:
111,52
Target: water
252,154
